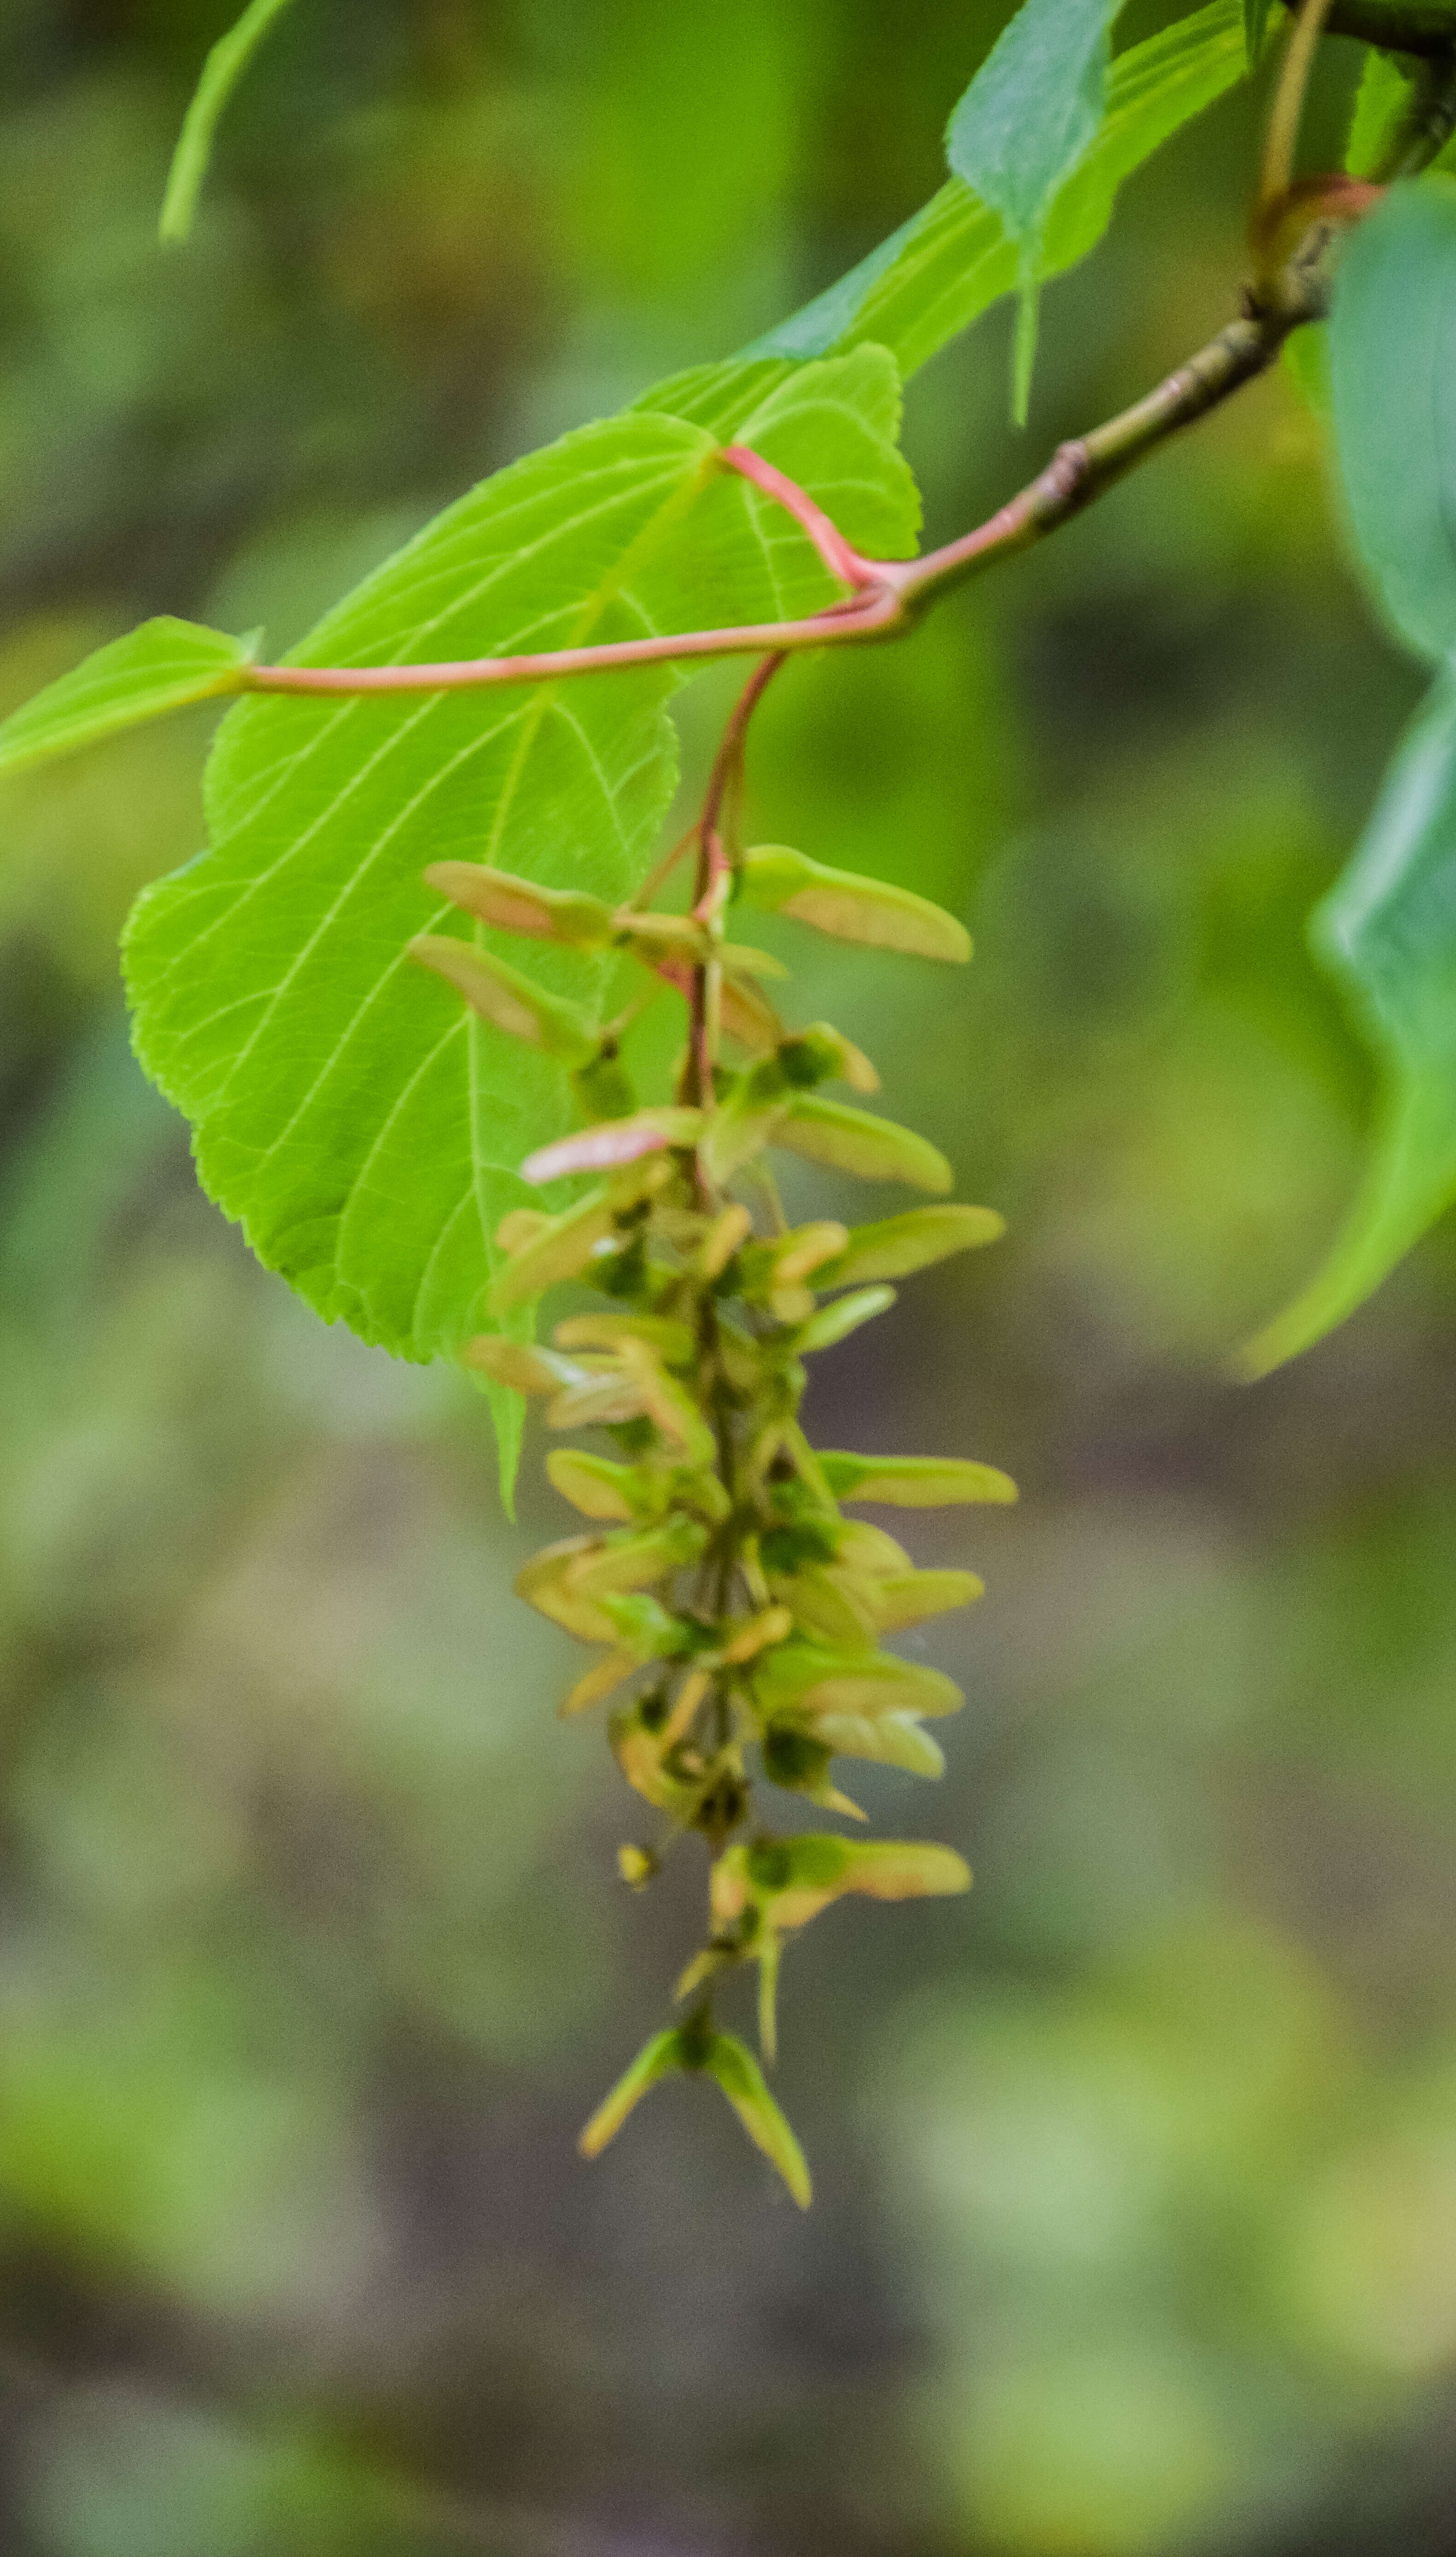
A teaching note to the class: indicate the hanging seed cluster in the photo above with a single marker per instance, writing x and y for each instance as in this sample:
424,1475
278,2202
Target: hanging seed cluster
734,1610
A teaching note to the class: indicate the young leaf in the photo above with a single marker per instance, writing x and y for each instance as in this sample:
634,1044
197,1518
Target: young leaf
732,2064
849,905
159,667
912,1482
937,274
367,1135
1387,935
221,72
1021,127
1392,368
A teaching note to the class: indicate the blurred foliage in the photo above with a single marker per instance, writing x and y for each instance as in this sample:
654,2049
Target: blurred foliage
1143,2233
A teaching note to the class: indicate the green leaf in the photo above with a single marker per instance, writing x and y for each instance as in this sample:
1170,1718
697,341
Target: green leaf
1022,126
1387,934
221,72
937,274
732,2064
1256,28
1392,370
363,1126
159,667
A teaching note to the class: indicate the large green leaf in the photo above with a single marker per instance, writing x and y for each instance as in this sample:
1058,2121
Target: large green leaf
1392,375
944,267
1387,934
157,668
1021,128
361,1122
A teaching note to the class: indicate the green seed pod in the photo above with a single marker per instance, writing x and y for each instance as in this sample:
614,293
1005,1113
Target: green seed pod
603,1403
599,1488
649,1632
522,1365
659,2058
732,2064
637,1745
815,1679
914,1482
911,1596
545,1583
849,905
861,1548
819,1870
850,1140
597,1683
655,937
672,1341
675,1413
613,1144
503,997
566,1244
898,1244
604,1089
637,1561
512,904
885,1739
825,1608
835,1322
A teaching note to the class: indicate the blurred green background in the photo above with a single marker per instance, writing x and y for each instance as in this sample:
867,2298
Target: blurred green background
1136,2170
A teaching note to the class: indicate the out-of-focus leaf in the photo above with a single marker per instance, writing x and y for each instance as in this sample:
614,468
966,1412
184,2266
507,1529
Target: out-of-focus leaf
221,72
1022,126
940,270
157,668
1387,934
1392,367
